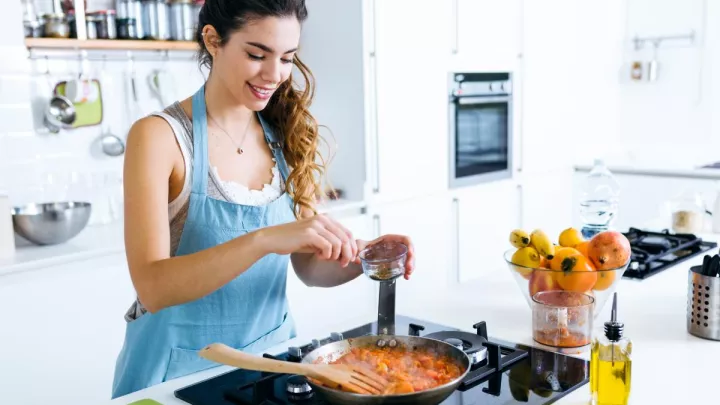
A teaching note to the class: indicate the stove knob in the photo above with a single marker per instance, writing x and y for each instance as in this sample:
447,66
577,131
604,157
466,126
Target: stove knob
315,344
455,342
336,337
294,353
298,385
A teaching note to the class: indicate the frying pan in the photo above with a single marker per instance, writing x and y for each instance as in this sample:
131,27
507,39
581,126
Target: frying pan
332,351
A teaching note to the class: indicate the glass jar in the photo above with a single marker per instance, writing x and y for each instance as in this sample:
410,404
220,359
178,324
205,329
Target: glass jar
181,20
56,26
688,213
101,24
384,261
562,318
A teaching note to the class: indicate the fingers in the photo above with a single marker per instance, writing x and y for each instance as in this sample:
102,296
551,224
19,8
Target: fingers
344,246
322,246
334,241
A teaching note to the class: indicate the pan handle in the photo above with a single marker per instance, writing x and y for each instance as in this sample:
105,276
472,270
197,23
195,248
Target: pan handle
221,353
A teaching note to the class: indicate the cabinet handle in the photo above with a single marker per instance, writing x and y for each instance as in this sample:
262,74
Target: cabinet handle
520,222
376,225
455,23
456,237
374,138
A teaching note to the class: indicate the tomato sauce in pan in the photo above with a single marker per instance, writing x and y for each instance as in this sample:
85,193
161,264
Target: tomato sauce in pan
407,371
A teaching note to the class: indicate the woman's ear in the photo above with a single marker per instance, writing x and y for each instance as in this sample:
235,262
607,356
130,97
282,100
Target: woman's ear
211,39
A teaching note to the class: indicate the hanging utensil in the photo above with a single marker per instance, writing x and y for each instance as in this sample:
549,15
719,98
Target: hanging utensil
652,69
111,144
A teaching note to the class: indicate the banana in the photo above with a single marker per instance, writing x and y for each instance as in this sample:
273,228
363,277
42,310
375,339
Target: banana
540,241
519,238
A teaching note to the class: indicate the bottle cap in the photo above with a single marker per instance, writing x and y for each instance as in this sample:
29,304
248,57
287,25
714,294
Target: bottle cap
613,328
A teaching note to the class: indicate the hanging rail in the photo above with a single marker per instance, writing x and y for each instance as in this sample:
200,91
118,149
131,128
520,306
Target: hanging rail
109,56
657,40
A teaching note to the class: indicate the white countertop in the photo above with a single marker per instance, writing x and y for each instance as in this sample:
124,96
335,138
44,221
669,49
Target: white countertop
667,168
103,240
670,366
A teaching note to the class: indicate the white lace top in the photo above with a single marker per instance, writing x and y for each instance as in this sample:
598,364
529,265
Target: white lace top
241,194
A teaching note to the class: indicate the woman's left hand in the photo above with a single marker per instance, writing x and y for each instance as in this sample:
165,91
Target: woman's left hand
409,262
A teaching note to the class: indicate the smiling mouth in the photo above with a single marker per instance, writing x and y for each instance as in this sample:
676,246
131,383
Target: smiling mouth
261,90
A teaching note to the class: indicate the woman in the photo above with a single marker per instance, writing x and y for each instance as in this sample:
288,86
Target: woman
219,196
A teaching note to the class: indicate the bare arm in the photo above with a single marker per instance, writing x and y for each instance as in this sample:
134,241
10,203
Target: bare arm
160,280
314,272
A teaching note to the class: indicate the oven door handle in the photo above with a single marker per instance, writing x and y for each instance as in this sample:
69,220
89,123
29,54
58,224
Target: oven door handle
470,100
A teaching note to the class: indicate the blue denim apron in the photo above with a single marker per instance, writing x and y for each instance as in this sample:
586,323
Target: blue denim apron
249,313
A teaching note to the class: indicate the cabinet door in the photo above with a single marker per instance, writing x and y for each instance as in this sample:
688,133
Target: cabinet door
486,34
646,201
63,328
427,222
316,308
411,84
549,208
484,217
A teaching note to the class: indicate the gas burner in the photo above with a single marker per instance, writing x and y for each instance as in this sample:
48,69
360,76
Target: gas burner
653,252
298,388
470,343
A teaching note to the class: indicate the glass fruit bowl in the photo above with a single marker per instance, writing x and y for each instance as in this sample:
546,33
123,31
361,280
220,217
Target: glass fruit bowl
599,284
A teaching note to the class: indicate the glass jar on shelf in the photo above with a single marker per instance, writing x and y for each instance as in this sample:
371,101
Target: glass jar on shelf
688,212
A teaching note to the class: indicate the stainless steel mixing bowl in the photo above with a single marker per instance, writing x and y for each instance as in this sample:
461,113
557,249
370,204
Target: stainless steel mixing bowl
51,223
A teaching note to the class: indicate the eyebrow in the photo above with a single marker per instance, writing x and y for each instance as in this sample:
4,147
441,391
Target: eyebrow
267,48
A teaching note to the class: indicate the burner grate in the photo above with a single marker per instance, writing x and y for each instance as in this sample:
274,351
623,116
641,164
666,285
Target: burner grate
653,252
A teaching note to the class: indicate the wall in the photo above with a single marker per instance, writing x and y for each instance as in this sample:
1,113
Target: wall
36,165
674,114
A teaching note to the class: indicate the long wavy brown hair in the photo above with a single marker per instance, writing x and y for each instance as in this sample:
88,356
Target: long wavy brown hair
288,111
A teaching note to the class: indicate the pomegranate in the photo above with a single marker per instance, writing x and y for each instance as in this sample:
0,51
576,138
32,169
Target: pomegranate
609,250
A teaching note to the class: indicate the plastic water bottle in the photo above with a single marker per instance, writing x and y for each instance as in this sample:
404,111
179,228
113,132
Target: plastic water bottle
599,199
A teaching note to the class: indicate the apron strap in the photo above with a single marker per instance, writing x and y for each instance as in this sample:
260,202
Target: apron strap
275,142
200,153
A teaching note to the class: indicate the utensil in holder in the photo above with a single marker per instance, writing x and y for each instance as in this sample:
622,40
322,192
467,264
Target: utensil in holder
703,306
384,262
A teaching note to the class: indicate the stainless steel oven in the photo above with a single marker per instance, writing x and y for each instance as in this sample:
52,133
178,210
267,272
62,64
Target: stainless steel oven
481,139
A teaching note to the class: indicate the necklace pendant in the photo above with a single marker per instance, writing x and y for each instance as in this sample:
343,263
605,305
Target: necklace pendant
240,151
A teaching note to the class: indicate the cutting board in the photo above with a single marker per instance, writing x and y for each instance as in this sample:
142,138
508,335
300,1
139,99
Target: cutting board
88,113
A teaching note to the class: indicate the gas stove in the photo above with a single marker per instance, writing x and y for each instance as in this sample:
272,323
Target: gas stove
502,372
653,252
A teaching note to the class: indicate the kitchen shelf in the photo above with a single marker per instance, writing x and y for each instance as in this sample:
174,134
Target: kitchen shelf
109,44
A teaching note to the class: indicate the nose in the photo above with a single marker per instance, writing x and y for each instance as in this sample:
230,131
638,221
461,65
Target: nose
272,71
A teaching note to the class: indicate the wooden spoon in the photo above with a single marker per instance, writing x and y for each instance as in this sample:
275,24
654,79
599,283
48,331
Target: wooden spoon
354,379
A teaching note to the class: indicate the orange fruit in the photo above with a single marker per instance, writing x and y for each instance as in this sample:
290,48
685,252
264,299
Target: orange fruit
583,248
604,280
578,273
560,254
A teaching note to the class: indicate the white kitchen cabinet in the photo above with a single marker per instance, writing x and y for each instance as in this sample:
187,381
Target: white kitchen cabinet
63,329
645,199
547,202
427,222
484,215
315,308
381,69
486,34
411,84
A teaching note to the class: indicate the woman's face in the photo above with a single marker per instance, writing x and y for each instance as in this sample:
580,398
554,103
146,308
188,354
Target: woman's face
257,59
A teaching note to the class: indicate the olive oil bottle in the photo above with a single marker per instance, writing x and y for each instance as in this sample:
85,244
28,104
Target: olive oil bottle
610,364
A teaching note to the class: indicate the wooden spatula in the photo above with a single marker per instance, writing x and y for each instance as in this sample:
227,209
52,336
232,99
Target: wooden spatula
339,376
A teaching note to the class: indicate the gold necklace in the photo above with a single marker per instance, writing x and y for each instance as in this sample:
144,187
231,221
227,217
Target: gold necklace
239,149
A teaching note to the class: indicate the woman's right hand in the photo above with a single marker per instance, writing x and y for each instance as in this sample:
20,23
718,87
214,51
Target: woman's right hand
319,234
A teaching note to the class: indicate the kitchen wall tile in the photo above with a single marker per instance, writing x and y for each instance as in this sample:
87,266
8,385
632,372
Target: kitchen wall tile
11,29
15,88
16,117
14,59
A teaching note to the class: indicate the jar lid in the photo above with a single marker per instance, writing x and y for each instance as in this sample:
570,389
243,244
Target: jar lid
53,15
